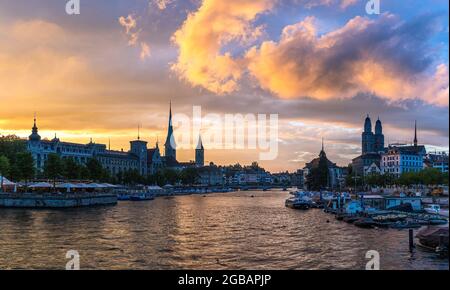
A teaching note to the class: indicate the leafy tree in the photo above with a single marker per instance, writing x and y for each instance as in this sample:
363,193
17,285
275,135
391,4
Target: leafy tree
170,176
72,170
53,168
4,169
157,178
95,169
132,177
25,164
189,176
10,147
84,172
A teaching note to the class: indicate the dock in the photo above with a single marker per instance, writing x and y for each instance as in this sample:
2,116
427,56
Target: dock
51,200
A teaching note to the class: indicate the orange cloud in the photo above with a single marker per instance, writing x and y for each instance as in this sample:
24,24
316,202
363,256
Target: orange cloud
203,35
362,56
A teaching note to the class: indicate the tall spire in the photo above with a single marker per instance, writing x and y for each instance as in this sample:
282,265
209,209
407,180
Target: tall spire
170,146
322,145
139,132
415,133
200,143
170,113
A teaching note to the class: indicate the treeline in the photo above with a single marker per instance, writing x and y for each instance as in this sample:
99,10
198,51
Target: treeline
427,176
16,163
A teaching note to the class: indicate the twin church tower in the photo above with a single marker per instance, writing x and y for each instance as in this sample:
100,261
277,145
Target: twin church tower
372,143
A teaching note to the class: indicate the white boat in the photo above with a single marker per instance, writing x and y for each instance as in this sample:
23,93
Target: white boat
299,202
436,209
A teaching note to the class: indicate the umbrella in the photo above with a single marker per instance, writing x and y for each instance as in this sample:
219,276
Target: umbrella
41,185
66,186
6,182
82,185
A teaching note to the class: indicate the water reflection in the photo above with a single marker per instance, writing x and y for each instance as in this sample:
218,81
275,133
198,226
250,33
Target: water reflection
220,231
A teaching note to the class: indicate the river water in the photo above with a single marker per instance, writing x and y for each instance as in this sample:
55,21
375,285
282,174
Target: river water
216,231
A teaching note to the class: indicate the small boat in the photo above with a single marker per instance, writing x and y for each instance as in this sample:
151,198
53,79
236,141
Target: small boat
350,219
405,225
123,196
365,223
298,203
436,209
434,238
142,196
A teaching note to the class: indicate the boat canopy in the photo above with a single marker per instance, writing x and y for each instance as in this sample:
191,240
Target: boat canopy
41,185
7,182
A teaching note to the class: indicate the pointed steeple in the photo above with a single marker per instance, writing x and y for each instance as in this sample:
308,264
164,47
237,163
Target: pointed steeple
170,146
139,132
322,152
170,113
200,153
200,143
415,133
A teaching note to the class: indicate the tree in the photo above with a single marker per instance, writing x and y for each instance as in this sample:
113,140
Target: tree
25,164
72,170
189,176
170,175
53,167
132,177
157,178
4,169
11,147
95,169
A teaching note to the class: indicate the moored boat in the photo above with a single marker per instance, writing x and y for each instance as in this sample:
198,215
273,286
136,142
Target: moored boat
298,203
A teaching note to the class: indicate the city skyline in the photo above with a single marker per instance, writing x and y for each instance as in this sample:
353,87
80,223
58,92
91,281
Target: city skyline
100,76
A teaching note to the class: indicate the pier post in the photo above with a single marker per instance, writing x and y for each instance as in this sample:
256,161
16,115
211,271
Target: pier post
411,240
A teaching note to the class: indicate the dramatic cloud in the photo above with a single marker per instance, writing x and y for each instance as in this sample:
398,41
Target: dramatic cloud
383,56
85,80
130,25
202,37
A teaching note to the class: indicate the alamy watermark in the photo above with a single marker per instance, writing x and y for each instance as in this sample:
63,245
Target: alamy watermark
228,131
373,7
74,260
374,262
73,7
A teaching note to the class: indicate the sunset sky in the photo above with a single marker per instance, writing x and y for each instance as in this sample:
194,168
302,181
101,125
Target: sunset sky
321,65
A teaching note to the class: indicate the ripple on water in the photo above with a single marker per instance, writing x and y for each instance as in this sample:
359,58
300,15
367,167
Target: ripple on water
219,231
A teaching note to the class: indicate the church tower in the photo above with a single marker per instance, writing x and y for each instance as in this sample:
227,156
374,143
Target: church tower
200,153
368,139
170,146
379,137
